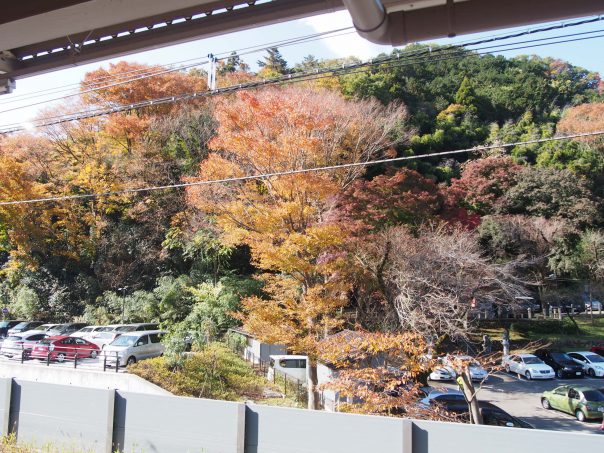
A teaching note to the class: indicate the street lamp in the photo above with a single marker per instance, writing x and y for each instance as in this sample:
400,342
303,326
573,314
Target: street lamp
123,290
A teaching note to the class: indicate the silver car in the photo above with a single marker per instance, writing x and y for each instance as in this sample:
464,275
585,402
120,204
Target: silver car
17,344
134,346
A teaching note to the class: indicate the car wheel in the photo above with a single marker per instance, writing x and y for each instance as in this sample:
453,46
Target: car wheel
545,403
580,415
60,357
560,374
528,376
93,354
131,360
591,372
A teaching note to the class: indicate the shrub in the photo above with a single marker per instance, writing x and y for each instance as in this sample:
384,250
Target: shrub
213,372
544,327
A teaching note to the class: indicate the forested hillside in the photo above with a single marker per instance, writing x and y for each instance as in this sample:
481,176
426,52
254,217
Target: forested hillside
390,248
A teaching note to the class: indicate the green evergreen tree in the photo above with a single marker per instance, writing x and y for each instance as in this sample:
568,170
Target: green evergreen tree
274,62
465,94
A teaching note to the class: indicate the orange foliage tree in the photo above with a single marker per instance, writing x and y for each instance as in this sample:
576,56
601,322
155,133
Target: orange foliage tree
281,219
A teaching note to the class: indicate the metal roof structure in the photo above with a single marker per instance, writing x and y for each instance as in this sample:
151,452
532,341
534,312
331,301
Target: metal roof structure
37,36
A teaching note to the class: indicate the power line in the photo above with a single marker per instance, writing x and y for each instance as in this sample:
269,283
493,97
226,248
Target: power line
398,60
144,73
296,172
299,40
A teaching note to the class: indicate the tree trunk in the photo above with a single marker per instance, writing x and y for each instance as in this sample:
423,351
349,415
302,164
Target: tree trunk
470,394
312,382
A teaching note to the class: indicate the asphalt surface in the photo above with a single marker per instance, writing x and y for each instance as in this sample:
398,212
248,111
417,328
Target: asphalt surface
522,399
83,364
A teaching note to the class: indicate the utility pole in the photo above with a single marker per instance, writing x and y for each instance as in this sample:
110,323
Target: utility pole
212,72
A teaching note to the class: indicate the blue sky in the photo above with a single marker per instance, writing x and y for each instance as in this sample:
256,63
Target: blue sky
588,54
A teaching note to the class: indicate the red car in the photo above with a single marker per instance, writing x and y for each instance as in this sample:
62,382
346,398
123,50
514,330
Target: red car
598,350
61,347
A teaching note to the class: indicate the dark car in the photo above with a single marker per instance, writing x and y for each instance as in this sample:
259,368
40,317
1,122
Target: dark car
24,327
598,350
5,325
66,329
563,364
453,401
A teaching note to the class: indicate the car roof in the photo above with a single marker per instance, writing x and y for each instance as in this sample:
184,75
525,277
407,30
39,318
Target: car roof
141,332
526,355
443,391
582,352
57,337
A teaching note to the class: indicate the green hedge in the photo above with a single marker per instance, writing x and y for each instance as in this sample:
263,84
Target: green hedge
544,327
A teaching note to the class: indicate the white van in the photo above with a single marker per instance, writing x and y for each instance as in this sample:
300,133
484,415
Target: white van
134,346
293,366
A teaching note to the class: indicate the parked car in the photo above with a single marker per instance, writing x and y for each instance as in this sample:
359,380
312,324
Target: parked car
102,339
593,364
528,365
141,327
134,346
86,332
111,327
455,402
47,327
477,372
563,365
6,325
24,327
583,402
62,347
442,372
66,329
598,350
291,365
24,342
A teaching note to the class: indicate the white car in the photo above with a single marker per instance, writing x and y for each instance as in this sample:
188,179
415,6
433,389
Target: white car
135,346
529,366
442,372
593,364
17,344
86,332
102,339
477,372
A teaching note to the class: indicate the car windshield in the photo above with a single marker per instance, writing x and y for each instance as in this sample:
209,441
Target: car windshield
593,395
449,397
104,335
128,328
531,360
594,358
3,324
45,341
21,325
561,357
124,340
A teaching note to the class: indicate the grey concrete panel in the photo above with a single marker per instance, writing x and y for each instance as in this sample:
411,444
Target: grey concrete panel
165,424
439,437
5,391
67,417
284,430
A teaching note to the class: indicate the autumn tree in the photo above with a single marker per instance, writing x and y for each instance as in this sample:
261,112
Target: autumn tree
281,219
483,182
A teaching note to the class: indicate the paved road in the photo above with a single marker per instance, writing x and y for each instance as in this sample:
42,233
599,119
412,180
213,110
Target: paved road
522,399
83,364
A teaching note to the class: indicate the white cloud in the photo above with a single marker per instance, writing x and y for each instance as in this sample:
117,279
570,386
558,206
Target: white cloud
348,44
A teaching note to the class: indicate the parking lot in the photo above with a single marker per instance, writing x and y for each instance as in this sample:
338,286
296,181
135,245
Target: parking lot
522,399
82,364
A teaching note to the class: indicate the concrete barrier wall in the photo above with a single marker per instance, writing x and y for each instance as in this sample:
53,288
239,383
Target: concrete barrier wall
282,430
80,377
67,417
438,437
97,420
5,391
149,423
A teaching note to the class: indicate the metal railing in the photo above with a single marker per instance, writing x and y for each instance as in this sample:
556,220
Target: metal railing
83,358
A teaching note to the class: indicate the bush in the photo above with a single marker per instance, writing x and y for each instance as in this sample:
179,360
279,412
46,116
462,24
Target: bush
214,372
544,327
